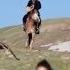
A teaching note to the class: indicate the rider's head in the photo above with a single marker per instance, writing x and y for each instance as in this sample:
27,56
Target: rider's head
43,65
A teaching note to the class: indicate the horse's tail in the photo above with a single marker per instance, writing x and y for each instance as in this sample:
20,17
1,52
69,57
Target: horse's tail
6,46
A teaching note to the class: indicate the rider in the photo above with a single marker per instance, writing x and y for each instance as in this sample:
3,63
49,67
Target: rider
37,6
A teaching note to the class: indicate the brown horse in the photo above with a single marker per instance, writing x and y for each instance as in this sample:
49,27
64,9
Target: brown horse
31,27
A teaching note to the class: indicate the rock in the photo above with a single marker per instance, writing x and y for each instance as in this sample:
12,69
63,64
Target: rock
61,47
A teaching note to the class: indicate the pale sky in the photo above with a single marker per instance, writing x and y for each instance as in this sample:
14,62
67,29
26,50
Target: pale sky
12,11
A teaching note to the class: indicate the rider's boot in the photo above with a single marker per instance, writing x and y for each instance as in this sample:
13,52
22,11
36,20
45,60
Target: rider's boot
37,31
24,28
38,28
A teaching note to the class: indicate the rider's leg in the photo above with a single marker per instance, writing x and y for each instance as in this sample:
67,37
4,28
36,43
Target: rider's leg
39,23
38,26
24,21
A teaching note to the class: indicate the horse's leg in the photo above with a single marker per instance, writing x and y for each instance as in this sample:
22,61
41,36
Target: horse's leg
31,44
26,44
29,39
32,40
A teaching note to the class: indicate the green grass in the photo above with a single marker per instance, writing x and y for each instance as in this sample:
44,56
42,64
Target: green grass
29,59
15,38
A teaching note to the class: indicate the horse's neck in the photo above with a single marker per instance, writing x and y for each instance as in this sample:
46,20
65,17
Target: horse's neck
30,20
29,25
33,11
30,15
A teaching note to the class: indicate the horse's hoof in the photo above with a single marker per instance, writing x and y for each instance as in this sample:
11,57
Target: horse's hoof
30,48
26,47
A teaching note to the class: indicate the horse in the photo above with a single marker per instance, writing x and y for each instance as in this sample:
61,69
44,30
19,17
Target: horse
31,26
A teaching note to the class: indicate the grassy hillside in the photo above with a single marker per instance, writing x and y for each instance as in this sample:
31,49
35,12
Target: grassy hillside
52,31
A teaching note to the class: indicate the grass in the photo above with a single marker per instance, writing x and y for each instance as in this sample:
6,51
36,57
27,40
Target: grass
15,38
29,59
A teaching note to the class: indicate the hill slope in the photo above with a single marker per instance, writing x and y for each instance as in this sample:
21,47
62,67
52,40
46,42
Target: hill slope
52,31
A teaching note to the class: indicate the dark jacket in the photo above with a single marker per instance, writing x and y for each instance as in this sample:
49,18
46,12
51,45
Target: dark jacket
37,4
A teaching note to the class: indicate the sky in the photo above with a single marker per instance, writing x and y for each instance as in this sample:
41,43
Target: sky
12,11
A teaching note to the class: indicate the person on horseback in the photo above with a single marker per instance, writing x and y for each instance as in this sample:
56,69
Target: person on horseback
33,4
